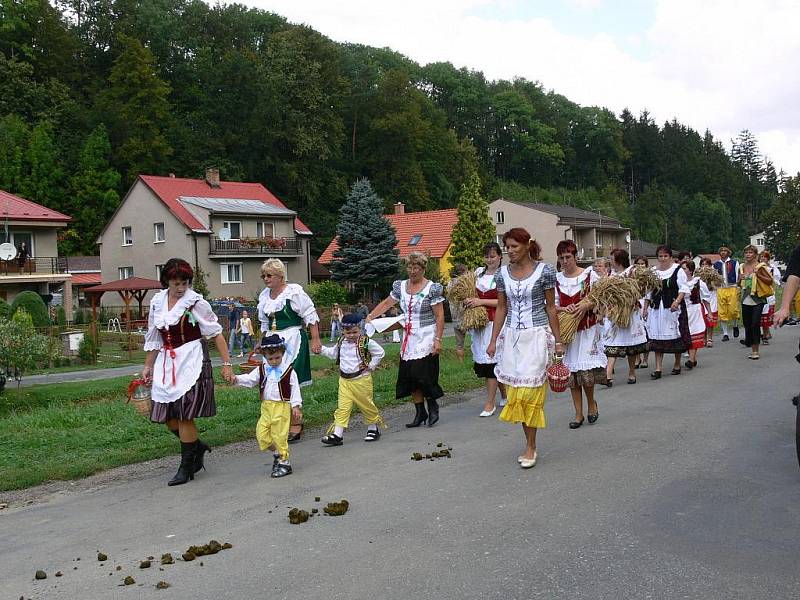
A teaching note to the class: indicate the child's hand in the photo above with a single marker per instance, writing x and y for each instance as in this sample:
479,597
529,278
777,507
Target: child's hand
297,414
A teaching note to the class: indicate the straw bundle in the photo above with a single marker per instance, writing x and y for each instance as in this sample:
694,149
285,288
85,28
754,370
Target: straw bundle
710,276
647,280
462,288
616,298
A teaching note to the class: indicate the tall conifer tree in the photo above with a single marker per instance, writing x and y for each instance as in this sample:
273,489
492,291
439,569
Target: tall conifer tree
367,252
474,228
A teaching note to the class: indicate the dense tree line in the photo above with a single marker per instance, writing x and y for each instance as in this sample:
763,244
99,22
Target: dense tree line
94,92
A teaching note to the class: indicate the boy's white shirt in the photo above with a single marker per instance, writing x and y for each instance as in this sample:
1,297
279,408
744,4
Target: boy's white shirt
350,361
272,391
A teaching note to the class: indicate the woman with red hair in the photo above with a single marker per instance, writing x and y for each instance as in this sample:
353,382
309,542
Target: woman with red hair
585,357
526,317
178,365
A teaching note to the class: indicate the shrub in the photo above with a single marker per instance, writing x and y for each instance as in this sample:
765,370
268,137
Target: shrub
327,293
5,309
61,316
199,283
21,348
78,319
33,303
88,349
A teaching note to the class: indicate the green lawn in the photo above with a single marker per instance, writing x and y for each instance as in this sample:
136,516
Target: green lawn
71,430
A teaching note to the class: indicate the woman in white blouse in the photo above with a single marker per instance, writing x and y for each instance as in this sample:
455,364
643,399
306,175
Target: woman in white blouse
178,365
421,302
286,309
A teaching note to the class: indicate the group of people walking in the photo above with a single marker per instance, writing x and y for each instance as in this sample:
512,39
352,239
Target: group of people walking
512,351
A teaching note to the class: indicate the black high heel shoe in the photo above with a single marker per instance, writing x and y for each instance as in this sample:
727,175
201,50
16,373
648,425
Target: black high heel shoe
420,416
593,418
433,413
575,424
655,375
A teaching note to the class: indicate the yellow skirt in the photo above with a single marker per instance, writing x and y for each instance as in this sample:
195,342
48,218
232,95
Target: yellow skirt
525,405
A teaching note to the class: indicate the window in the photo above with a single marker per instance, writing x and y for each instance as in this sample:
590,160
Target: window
235,227
231,273
158,233
127,236
500,217
415,239
265,230
18,238
158,271
760,242
125,272
598,239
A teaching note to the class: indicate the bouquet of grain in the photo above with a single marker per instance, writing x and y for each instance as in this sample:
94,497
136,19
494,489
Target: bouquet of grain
463,287
568,322
614,297
710,276
647,280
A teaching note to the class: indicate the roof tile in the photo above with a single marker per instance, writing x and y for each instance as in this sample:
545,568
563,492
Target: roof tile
14,207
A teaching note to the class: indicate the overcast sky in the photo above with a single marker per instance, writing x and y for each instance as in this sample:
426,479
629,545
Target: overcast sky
725,65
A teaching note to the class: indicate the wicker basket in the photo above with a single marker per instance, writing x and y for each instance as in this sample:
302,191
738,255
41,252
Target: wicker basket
558,374
139,396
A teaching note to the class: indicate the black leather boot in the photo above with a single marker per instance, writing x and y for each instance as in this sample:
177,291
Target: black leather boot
420,417
202,448
186,470
433,412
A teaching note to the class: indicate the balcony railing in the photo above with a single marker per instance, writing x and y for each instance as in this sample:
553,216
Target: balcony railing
43,265
255,246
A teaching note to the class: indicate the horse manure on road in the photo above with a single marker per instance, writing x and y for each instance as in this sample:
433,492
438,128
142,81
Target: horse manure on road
162,585
101,557
145,564
297,516
442,452
128,580
166,559
337,509
40,574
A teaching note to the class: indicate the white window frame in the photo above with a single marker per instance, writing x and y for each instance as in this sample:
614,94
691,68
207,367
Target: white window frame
500,217
417,237
599,239
120,272
159,268
227,224
12,239
163,233
124,241
262,225
224,273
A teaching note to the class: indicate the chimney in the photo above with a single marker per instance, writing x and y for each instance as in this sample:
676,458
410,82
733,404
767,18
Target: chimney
212,177
399,208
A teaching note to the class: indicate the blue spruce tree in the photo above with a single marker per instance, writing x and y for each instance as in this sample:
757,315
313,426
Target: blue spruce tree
367,243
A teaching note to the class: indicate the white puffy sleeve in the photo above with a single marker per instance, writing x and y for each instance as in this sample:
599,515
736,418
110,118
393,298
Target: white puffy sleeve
208,321
330,351
249,379
683,282
705,293
303,305
295,399
436,295
262,313
152,339
377,353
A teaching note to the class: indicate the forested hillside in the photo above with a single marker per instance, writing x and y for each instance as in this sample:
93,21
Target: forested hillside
94,92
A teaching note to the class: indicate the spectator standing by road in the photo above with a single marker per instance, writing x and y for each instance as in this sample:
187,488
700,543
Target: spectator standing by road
233,324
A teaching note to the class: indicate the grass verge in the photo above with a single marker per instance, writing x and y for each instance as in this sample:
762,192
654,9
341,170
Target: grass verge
72,430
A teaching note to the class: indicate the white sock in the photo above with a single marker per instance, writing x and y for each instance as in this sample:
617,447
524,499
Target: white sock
724,326
338,431
372,427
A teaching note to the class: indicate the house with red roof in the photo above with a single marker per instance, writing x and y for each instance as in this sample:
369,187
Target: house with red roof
225,228
429,232
29,249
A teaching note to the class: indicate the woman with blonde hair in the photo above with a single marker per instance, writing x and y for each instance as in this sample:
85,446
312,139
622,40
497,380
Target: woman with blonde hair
286,309
421,301
756,281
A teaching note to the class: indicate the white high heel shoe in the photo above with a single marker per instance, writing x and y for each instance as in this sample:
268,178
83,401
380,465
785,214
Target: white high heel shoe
487,413
527,463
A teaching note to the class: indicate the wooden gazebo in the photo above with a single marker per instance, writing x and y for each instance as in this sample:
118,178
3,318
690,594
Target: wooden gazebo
132,288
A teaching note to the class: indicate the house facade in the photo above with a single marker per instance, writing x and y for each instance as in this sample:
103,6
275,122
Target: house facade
429,232
594,234
41,270
226,229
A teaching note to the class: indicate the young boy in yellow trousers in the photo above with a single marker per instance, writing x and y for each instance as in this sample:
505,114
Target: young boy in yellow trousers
280,398
357,356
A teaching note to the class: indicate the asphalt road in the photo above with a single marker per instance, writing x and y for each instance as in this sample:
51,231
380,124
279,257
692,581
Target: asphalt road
687,487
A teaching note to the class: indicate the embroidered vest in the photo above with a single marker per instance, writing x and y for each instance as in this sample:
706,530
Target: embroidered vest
728,270
694,297
284,383
184,331
668,292
589,318
488,295
363,353
284,318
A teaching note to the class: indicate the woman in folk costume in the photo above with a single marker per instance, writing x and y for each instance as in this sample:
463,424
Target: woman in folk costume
769,308
285,309
641,361
624,342
584,357
697,306
711,316
526,316
667,320
756,281
178,365
421,302
486,288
